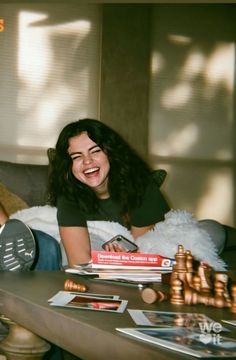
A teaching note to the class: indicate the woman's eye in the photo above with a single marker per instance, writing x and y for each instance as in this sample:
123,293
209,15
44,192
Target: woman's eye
96,151
75,157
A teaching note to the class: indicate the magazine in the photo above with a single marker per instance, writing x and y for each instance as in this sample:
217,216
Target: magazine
164,319
185,340
85,301
133,275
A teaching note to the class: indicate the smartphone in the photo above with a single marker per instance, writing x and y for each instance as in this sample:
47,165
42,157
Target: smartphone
128,245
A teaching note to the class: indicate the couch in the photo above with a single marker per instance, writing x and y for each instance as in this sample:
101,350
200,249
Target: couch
25,185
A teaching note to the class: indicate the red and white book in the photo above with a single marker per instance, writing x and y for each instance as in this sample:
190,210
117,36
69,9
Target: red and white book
125,260
130,259
122,266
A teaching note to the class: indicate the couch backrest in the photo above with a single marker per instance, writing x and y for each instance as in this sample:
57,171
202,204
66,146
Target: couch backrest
28,181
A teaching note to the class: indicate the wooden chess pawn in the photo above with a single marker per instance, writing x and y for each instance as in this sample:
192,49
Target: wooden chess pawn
150,295
204,274
177,292
224,278
233,301
193,297
219,298
196,282
70,285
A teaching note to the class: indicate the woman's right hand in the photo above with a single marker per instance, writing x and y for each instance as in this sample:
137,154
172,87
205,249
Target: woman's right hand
115,247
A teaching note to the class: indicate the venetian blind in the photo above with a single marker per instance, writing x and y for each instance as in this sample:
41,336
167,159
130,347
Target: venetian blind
49,71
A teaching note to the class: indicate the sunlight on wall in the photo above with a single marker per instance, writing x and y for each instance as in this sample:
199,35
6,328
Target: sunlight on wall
175,135
193,66
178,142
157,63
46,93
176,96
217,200
33,68
191,121
219,67
179,39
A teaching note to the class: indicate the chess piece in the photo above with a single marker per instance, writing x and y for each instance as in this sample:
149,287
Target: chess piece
177,292
193,297
233,302
189,267
150,295
204,274
219,299
180,258
70,285
224,278
189,261
179,268
196,282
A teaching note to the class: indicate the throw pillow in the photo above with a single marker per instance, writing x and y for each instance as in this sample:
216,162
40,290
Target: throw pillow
10,201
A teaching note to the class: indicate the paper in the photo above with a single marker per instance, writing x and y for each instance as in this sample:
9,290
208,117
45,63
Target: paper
85,301
184,340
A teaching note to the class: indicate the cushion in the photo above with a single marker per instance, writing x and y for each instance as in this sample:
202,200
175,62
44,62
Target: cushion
28,181
50,154
159,176
10,201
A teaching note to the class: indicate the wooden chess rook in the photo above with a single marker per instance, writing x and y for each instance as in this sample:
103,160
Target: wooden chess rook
70,285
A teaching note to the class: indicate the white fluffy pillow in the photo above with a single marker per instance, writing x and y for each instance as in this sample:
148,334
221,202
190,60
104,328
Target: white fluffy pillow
178,228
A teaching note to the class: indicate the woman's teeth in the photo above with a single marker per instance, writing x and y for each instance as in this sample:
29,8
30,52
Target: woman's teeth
89,171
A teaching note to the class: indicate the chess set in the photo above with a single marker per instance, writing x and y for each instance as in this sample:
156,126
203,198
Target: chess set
194,282
191,282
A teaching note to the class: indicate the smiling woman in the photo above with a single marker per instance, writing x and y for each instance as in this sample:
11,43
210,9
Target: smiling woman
90,164
97,176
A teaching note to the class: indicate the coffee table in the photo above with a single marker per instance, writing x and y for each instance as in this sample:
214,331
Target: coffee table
89,335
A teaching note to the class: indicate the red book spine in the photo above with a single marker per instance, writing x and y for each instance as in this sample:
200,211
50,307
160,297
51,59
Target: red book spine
130,259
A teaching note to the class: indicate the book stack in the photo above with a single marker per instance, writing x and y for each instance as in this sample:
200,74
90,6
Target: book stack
127,267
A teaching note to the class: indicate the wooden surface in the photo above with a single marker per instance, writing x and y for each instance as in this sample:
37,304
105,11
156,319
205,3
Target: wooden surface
87,334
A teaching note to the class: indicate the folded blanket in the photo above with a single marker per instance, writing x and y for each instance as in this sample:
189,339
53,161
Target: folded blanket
179,227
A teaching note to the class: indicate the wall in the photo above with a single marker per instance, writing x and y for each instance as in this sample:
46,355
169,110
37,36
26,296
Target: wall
167,84
142,105
192,108
125,72
50,61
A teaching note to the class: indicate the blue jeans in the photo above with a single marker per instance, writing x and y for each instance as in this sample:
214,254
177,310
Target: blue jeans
48,252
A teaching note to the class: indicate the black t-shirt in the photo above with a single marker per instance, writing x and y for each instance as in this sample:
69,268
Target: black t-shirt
151,211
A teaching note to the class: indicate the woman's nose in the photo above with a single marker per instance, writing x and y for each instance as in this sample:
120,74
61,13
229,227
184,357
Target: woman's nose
87,159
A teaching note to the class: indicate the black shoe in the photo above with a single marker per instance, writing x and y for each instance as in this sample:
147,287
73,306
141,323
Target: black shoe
17,246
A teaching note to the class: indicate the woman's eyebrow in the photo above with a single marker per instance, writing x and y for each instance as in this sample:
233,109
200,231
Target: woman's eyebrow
80,152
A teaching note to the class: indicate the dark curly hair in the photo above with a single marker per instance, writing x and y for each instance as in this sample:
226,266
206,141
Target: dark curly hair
128,175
